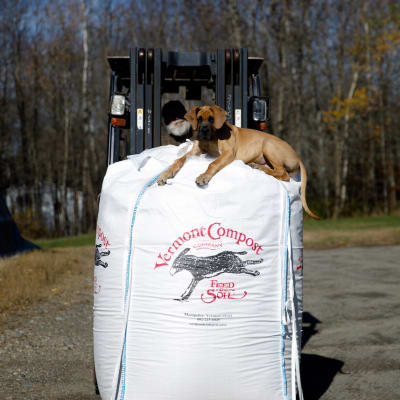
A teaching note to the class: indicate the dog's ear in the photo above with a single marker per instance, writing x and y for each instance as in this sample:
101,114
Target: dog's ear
219,116
191,116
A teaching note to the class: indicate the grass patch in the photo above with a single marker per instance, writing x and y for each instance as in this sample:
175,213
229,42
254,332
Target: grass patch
352,232
88,239
32,276
351,224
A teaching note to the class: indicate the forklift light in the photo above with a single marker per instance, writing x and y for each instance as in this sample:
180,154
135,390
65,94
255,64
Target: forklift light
259,109
118,122
118,105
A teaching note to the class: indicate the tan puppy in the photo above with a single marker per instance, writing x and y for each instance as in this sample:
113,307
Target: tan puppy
227,142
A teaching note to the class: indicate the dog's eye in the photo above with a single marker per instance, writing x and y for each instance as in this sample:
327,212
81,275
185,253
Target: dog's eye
210,119
200,119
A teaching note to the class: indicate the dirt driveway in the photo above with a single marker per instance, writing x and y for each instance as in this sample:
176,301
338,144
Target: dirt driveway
351,334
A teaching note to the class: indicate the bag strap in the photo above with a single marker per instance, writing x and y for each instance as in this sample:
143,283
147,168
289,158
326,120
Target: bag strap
293,315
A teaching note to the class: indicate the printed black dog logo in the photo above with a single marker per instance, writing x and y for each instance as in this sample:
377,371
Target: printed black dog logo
208,267
98,255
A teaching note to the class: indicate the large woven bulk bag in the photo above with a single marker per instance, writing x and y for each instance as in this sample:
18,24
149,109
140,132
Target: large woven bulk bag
197,291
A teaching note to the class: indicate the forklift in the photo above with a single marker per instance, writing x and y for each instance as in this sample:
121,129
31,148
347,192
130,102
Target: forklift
138,82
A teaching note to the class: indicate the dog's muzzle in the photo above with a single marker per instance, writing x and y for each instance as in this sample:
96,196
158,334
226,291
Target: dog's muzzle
205,132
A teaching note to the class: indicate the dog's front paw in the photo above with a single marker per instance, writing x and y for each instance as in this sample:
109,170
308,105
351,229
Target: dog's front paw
203,179
162,179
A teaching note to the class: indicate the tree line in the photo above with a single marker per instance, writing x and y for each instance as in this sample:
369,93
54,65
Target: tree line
331,70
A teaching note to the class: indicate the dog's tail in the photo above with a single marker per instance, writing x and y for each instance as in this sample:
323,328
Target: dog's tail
303,174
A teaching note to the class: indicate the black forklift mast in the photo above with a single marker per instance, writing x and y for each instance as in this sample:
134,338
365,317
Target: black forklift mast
147,73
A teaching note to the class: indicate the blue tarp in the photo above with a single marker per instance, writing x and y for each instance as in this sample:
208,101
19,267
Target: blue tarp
11,241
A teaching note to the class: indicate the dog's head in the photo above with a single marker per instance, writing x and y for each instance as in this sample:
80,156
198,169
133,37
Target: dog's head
182,263
206,121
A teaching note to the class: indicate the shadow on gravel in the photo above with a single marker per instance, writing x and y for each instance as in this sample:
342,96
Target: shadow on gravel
309,325
317,372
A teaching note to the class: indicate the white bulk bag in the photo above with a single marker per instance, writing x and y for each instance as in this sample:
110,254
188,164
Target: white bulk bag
197,291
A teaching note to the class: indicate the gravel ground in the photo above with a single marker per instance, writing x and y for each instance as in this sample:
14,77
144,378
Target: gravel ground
351,334
46,350
352,300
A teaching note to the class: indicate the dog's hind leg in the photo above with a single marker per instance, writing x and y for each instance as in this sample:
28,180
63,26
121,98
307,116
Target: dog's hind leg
251,262
189,290
102,263
278,172
248,272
